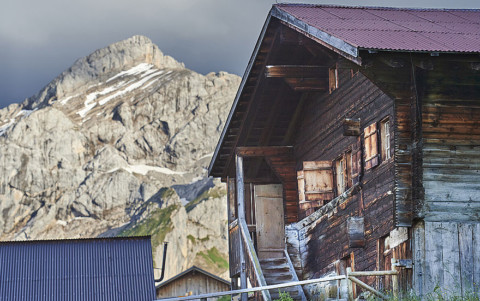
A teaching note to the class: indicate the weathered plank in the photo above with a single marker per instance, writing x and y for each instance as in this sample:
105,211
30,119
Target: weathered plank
465,241
356,232
259,151
450,256
296,71
307,84
476,256
351,127
419,258
433,256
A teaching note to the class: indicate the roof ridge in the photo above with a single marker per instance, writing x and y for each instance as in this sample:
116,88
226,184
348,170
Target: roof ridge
376,7
57,240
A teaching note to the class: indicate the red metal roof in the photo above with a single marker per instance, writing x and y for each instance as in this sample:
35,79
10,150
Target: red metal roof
402,29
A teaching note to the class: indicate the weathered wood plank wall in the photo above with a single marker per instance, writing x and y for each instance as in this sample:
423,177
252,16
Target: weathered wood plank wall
451,163
446,244
321,138
447,256
194,282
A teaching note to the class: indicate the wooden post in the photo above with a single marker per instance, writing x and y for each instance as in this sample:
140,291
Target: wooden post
349,286
231,199
241,217
394,280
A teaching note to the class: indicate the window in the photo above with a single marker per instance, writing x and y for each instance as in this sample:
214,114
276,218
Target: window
385,139
340,175
343,169
371,146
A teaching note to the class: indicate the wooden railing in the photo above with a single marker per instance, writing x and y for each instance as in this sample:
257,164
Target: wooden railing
239,231
253,268
294,274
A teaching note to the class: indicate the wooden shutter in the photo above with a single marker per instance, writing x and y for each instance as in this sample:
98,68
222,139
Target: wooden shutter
318,179
371,146
332,79
301,186
356,161
340,175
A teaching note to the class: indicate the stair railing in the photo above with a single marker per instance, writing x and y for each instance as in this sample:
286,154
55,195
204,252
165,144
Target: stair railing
253,262
301,293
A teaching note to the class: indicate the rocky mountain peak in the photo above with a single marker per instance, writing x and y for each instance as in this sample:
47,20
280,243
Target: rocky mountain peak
118,144
101,64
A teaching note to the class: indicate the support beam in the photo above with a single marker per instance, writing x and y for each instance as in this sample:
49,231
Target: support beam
263,151
241,216
296,71
307,84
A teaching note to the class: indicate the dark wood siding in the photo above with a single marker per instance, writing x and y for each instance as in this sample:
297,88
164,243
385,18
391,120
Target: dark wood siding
451,147
194,282
321,138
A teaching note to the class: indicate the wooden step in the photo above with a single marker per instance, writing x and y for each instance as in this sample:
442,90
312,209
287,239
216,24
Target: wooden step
277,279
277,271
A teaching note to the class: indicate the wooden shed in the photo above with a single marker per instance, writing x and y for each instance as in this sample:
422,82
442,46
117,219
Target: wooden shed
193,281
354,139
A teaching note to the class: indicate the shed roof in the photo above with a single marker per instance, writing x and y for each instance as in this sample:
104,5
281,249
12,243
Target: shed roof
379,28
83,269
190,270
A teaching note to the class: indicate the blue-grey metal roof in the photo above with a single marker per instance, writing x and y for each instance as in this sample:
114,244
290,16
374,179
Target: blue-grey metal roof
83,269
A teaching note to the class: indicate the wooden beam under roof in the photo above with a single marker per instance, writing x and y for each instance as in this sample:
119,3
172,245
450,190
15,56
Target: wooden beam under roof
262,151
308,84
296,71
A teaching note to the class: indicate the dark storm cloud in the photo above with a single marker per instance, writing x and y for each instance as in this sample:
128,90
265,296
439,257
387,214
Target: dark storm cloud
40,39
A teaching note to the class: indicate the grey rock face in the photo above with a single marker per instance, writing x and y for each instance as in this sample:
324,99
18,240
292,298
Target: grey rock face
94,150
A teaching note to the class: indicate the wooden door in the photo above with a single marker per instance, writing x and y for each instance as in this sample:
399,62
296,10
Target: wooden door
270,227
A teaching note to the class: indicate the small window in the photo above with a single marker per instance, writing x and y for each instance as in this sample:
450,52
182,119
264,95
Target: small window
340,174
371,146
343,169
332,79
385,142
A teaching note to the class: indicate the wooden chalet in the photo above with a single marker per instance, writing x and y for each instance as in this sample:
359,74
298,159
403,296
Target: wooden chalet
354,139
193,281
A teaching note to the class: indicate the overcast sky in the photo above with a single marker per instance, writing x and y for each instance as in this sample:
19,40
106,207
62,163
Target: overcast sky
40,39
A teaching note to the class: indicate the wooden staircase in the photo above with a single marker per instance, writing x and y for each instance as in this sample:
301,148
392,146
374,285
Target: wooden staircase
277,271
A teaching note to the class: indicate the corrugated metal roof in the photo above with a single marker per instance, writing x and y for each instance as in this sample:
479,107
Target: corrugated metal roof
401,29
84,269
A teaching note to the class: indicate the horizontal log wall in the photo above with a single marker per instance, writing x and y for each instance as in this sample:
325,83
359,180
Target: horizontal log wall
321,138
325,232
451,161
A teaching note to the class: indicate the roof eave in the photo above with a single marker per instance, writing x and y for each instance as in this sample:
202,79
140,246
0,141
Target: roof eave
192,268
239,92
344,48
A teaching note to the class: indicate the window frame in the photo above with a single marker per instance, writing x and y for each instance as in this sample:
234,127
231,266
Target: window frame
385,139
342,166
